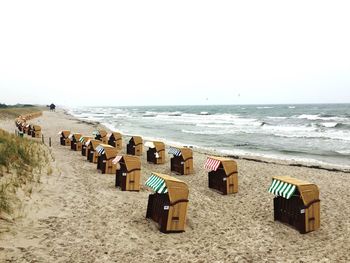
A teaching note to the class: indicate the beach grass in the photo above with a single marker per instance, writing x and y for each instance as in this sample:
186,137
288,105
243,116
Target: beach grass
21,162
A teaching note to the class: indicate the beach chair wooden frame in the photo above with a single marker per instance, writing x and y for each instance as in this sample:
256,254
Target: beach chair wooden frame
92,155
182,160
128,175
64,139
75,143
106,154
115,140
168,205
135,146
36,132
156,153
101,135
296,203
222,175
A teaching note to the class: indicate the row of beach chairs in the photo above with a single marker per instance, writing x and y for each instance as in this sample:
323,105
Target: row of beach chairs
296,202
26,128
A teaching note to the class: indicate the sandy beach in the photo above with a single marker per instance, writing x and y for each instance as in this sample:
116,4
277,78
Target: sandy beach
77,214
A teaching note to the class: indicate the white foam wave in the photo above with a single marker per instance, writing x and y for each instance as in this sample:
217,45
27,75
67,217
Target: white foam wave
329,124
314,117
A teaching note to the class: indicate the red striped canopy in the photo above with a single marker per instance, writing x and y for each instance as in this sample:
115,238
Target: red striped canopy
212,164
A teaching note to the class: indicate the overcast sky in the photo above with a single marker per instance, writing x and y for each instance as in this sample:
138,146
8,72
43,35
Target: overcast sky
174,52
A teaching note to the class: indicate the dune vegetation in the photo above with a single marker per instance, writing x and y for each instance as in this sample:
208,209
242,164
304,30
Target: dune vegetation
22,161
12,112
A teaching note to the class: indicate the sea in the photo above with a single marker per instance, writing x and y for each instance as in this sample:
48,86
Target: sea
310,133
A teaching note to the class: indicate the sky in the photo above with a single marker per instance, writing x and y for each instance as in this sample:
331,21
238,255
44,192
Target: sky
112,53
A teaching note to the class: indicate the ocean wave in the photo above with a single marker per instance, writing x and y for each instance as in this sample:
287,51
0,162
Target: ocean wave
208,132
314,117
329,124
277,118
264,107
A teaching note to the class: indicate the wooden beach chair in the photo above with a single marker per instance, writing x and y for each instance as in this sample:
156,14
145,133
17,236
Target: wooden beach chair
134,147
75,144
106,154
115,140
92,155
296,203
156,152
182,160
168,205
64,139
36,132
222,175
84,141
128,172
102,136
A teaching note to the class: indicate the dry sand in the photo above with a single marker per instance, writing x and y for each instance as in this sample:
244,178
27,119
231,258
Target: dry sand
78,215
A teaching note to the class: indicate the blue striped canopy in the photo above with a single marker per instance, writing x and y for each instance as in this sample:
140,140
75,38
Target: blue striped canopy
174,151
100,150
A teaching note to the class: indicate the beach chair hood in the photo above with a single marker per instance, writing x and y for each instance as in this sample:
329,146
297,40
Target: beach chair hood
284,185
132,162
137,140
117,135
186,153
65,134
229,165
162,183
159,146
94,144
36,128
103,133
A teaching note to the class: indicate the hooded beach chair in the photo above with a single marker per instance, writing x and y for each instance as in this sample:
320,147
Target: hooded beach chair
128,172
222,175
29,130
156,152
182,160
92,155
134,147
102,136
296,203
115,140
106,154
168,205
36,132
75,144
84,144
64,139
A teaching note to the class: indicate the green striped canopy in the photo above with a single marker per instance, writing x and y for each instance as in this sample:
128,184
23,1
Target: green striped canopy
283,189
157,184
